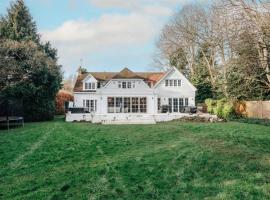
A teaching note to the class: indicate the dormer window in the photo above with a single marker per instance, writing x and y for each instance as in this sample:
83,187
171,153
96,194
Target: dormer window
90,86
126,84
129,84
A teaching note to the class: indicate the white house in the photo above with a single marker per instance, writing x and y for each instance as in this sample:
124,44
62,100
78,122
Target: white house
131,97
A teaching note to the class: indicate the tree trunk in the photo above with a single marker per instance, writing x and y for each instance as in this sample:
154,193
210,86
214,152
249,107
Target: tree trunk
224,66
209,67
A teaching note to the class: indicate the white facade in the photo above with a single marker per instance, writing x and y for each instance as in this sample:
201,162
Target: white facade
133,100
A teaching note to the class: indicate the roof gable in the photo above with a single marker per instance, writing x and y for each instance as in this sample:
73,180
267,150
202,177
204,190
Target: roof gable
172,70
89,77
127,74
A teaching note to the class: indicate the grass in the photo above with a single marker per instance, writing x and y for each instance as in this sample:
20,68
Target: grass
175,160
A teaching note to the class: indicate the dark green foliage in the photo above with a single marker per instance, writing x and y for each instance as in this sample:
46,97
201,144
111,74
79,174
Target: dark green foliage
201,78
201,81
18,24
58,160
178,60
83,70
36,77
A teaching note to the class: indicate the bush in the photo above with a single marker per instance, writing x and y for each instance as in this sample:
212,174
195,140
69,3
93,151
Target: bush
223,108
210,103
218,110
60,100
228,110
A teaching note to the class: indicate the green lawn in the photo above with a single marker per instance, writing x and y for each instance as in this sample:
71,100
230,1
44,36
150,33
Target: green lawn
175,160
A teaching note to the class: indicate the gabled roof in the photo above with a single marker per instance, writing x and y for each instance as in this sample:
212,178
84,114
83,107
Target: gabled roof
126,74
153,77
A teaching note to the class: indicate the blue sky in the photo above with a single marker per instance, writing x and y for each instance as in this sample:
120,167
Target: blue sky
106,34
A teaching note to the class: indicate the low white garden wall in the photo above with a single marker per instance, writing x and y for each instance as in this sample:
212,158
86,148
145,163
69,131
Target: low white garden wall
124,118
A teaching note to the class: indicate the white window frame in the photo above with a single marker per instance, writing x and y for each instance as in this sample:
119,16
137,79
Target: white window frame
90,105
173,83
166,83
90,86
120,106
124,84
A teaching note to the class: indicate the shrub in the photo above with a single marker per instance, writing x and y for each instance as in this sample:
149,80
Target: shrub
218,109
60,100
210,103
228,110
223,108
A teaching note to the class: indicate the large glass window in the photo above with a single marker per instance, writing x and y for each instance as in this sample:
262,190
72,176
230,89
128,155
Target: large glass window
170,105
175,105
90,105
159,104
110,104
118,104
143,105
181,102
186,101
135,104
127,105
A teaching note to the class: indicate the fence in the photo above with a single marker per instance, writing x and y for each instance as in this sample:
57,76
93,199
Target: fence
254,109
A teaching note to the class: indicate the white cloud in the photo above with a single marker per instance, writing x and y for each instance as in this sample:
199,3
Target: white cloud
110,32
105,32
138,28
135,4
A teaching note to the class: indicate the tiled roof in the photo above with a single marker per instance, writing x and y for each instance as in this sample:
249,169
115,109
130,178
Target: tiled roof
153,77
127,74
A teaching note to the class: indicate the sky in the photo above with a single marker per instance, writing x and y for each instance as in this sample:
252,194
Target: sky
102,35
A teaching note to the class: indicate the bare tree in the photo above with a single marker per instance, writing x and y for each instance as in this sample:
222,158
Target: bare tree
215,33
254,16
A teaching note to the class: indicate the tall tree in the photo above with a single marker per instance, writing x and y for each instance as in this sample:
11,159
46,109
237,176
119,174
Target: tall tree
18,24
34,75
223,27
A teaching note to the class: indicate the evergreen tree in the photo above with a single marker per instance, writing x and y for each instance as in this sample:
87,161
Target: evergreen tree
18,24
201,77
178,60
36,77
